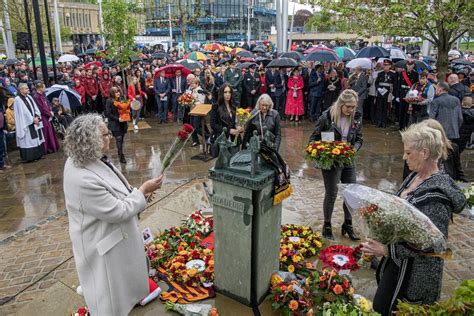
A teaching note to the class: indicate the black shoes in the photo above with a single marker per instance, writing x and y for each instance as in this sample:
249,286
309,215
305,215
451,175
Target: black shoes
122,159
327,231
349,230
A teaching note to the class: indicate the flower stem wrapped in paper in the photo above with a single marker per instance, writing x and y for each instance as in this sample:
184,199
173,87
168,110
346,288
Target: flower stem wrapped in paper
389,219
178,144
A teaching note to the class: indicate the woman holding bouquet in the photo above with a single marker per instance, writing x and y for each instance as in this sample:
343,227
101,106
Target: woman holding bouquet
340,122
223,114
118,115
405,273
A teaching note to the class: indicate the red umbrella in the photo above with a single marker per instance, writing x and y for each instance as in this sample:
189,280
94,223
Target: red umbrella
318,48
170,70
93,63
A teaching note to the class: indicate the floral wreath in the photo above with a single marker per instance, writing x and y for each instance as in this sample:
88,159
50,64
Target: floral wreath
177,269
340,257
296,244
197,222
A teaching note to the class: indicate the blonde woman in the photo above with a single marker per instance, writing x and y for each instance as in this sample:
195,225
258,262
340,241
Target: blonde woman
341,121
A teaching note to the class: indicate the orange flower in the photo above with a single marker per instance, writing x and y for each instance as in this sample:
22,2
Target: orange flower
293,305
192,272
309,265
337,289
336,151
322,278
214,312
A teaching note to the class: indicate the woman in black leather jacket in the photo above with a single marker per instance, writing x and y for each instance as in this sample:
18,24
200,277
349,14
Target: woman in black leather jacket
341,119
266,118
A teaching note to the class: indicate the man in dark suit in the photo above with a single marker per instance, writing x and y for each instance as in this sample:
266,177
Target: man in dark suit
306,74
178,86
280,92
316,90
162,88
234,77
270,76
252,86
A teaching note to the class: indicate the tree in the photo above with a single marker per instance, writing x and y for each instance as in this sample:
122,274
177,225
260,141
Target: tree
120,27
441,22
301,17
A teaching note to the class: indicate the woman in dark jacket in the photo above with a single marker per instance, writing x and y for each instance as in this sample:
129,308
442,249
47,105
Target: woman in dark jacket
342,120
332,88
405,273
117,125
223,113
265,119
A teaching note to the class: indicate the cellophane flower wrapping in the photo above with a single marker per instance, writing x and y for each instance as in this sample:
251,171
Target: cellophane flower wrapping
390,219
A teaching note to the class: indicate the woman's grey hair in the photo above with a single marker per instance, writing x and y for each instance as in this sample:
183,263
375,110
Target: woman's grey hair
266,99
83,141
421,136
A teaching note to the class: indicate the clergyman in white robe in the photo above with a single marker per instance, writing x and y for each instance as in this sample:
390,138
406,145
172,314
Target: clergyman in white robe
29,136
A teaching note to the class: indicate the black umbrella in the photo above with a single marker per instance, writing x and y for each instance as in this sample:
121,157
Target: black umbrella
245,53
373,52
418,64
295,55
283,62
134,58
461,61
322,56
244,65
300,49
223,61
263,60
161,55
91,51
190,64
11,61
259,49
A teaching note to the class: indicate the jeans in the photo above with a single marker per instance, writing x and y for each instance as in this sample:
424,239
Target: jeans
162,109
331,179
2,147
315,109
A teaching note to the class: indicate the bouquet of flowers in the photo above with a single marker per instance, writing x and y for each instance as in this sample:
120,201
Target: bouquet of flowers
329,286
468,191
296,244
328,155
413,96
390,219
186,99
82,311
242,116
192,309
340,258
178,144
197,222
191,267
345,309
291,298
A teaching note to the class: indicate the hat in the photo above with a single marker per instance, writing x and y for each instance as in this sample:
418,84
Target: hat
387,62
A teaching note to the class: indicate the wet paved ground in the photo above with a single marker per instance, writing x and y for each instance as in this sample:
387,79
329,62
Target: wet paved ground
36,266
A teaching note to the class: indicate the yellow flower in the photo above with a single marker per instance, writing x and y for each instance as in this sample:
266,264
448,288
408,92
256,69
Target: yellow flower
284,258
296,258
291,268
192,272
351,290
336,151
314,152
317,244
276,279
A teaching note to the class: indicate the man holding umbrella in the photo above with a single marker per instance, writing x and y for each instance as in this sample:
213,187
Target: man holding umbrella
406,79
233,77
384,84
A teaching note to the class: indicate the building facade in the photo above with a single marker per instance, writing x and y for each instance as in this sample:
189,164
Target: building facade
218,20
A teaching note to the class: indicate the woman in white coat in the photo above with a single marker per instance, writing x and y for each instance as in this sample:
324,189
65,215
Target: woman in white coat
103,225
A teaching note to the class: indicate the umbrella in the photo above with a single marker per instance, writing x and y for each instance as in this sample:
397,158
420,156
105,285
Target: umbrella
190,64
318,49
373,51
295,55
161,55
135,58
345,53
461,61
49,61
283,62
91,51
245,53
263,60
223,61
213,47
364,63
236,50
244,65
195,56
322,57
397,53
67,58
259,49
93,64
418,64
300,49
247,59
67,96
170,70
454,52
11,61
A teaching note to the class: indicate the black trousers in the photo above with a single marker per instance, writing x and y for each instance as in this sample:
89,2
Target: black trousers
403,116
381,108
386,288
196,122
280,104
331,179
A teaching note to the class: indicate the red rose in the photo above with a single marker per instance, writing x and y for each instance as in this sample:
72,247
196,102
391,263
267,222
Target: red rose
188,128
183,135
